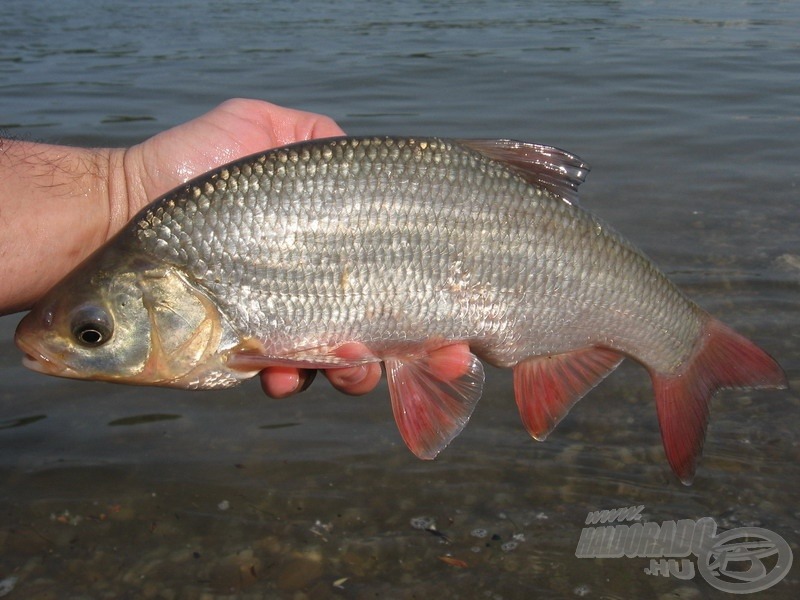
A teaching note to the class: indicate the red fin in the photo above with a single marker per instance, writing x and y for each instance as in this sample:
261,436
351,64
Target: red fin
546,387
722,359
250,356
430,408
556,170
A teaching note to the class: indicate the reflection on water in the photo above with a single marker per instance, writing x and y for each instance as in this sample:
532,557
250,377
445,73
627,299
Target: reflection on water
142,419
687,115
21,421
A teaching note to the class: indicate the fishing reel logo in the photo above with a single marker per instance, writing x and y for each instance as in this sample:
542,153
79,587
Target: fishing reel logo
739,561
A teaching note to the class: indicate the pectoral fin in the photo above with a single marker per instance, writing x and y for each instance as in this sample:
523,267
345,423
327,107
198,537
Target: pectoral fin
252,356
546,387
433,396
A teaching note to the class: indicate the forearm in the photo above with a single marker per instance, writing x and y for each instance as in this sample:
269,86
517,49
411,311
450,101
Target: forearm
57,205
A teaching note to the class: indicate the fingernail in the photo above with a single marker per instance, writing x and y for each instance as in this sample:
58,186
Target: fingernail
307,377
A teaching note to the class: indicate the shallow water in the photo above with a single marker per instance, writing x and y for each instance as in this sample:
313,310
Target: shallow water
690,118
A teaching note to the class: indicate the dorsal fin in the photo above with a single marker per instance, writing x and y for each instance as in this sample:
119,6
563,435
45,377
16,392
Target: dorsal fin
557,171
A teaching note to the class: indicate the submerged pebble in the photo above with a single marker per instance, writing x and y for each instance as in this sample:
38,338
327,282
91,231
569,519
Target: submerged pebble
423,523
581,590
509,546
7,585
479,533
299,573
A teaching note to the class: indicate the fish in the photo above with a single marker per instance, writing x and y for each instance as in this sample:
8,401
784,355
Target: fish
352,250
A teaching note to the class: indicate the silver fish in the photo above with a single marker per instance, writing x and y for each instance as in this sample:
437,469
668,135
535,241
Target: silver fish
344,251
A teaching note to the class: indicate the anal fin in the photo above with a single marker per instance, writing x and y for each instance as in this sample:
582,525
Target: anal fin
433,396
546,387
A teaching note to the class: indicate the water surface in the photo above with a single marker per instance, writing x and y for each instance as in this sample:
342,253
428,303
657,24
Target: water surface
689,116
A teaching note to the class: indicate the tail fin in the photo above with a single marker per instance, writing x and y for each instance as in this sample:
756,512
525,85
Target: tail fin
722,359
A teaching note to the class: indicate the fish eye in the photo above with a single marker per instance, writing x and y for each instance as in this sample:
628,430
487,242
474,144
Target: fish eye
91,326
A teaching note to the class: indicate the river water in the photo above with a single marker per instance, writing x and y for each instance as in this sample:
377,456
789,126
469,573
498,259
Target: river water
689,114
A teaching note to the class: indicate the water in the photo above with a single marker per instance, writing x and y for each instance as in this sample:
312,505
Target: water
689,116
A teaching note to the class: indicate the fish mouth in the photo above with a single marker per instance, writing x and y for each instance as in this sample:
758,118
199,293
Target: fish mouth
34,360
41,364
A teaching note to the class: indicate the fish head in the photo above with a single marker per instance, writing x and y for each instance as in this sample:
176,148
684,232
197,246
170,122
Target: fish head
127,318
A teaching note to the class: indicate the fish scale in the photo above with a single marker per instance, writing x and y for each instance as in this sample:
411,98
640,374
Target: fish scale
350,250
463,205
